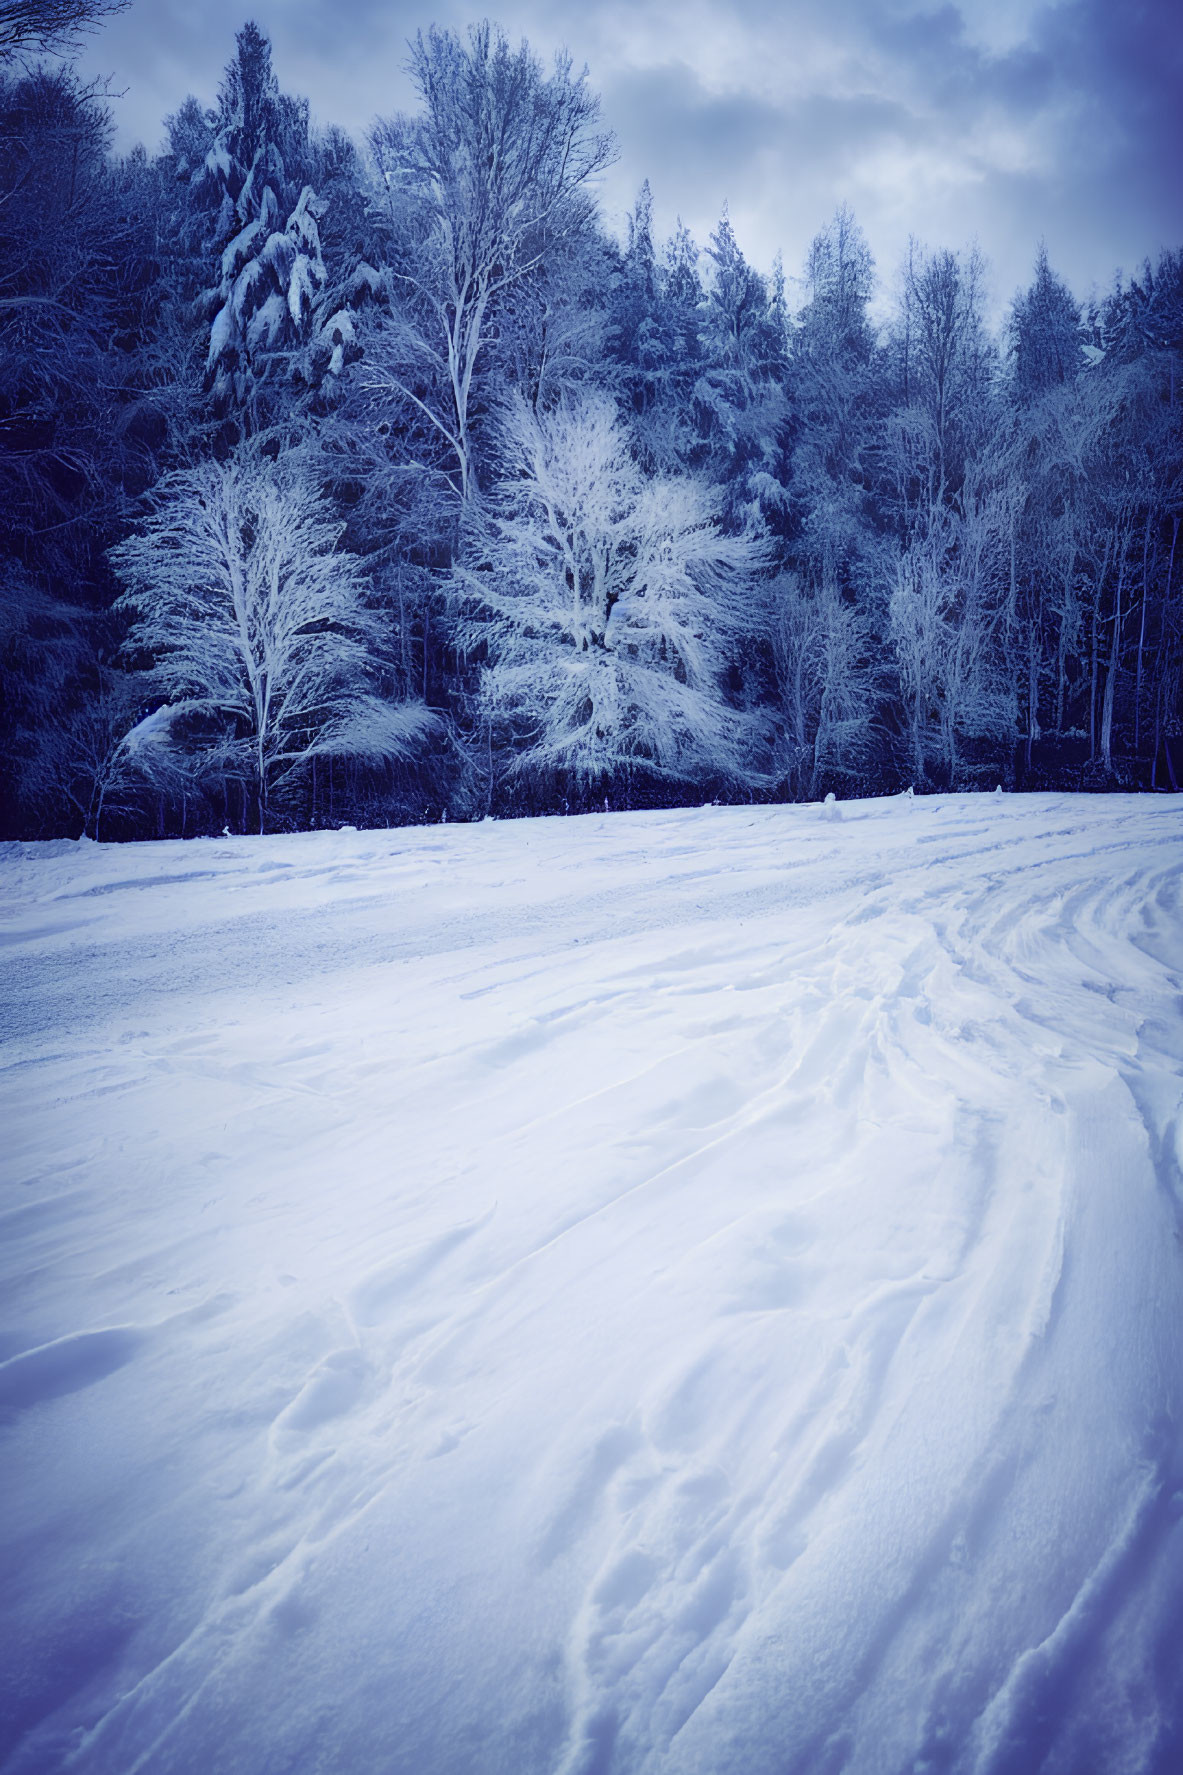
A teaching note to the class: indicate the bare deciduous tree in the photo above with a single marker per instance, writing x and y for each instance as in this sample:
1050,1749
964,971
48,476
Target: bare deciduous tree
829,687
480,186
948,615
46,27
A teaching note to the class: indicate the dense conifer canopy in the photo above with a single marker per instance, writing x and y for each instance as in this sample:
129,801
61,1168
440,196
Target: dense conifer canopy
548,518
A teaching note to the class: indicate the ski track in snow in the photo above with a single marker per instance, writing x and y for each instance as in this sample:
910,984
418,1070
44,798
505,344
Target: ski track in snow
693,1293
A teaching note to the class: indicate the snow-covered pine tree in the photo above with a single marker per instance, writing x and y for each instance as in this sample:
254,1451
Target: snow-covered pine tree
654,350
277,317
636,333
1045,334
829,613
739,394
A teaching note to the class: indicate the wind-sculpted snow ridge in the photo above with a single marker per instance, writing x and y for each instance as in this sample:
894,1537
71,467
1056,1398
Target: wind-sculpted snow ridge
693,1293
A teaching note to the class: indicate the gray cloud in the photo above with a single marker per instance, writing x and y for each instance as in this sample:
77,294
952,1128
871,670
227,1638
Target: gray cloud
1000,120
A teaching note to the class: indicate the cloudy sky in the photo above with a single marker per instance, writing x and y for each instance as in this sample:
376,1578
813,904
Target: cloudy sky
1000,121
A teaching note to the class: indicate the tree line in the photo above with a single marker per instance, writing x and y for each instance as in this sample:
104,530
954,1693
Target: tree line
378,482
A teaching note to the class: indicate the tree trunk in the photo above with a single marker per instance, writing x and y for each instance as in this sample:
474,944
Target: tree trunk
1111,676
489,742
799,720
1032,692
1141,643
1061,678
917,741
1093,684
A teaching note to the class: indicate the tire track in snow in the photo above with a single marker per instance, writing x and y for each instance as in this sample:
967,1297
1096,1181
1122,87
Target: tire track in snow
607,1737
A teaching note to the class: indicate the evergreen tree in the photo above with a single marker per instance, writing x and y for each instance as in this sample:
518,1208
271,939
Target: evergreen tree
944,366
654,338
836,415
739,393
1045,335
279,321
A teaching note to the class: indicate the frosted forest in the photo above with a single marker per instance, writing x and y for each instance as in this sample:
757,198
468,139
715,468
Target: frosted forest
690,1288
373,480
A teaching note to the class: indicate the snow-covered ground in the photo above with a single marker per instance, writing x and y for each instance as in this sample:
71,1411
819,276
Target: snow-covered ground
693,1293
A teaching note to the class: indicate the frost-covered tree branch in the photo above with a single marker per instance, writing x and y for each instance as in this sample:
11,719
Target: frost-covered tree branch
254,628
609,604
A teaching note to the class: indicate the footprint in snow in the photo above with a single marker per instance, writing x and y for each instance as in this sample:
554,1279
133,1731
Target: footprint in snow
658,1624
585,1489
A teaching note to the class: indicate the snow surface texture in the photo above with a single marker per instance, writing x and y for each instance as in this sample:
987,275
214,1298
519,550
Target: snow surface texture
693,1293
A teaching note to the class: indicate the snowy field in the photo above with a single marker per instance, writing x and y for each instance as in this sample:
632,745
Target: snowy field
693,1293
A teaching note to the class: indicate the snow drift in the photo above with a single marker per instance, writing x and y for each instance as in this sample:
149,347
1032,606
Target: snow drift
674,1294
